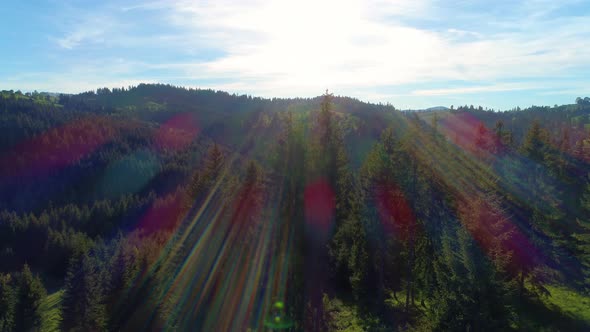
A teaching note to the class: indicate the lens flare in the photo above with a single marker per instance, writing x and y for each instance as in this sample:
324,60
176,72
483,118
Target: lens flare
319,205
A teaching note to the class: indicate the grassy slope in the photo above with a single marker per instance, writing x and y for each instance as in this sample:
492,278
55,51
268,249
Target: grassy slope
344,316
51,312
563,310
570,303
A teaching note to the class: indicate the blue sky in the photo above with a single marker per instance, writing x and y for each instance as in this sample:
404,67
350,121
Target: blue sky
410,53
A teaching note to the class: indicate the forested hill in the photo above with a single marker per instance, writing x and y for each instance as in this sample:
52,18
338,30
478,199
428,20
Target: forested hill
158,207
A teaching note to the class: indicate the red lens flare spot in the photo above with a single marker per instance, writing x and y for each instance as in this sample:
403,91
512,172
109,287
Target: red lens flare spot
495,233
461,129
58,147
247,207
163,215
320,203
395,213
178,132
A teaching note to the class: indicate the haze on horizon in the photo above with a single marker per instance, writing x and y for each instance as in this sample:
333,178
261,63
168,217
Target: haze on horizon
412,54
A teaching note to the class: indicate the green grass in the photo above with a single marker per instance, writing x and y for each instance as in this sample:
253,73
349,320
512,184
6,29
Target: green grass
572,304
342,317
51,312
562,310
345,316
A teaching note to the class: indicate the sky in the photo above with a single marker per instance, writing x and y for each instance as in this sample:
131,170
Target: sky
409,53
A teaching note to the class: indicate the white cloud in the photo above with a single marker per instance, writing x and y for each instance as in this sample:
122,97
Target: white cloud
301,47
475,89
74,38
82,27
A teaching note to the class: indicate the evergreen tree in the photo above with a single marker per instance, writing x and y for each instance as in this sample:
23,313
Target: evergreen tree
83,302
203,181
544,199
249,200
29,296
482,144
214,163
469,294
533,146
289,167
349,251
7,303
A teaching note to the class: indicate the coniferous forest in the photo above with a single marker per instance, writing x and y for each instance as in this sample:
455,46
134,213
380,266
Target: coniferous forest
157,207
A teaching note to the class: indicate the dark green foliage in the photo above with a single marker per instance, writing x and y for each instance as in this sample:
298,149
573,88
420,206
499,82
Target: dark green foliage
349,250
288,166
203,181
8,303
469,295
534,143
30,293
155,207
83,301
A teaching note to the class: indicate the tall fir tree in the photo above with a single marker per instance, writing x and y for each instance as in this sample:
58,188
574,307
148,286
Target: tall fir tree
84,307
7,303
29,296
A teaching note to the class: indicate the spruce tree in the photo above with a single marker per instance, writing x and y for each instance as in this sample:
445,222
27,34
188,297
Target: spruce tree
7,303
289,167
84,307
29,296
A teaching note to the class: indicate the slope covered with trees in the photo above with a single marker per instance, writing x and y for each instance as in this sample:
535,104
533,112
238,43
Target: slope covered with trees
156,207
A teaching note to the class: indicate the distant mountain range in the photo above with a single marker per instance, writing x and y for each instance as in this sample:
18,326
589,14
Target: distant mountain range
430,109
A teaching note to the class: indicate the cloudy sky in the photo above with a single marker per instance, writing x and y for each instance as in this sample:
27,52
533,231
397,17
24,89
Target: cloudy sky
411,53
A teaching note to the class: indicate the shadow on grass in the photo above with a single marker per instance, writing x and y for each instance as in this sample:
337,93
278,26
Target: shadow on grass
538,316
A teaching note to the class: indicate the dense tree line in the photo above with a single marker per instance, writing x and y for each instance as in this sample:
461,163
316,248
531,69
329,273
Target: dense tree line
157,207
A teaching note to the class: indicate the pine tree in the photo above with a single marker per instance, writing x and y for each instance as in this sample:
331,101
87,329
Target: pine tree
289,167
499,134
469,293
7,303
544,200
214,163
203,181
325,119
83,304
348,246
344,182
379,193
533,146
249,199
482,144
29,296
349,251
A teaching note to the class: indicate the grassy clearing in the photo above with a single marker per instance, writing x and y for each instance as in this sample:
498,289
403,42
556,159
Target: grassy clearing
51,312
572,304
344,316
562,310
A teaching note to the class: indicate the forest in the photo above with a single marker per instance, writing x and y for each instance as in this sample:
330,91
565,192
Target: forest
155,207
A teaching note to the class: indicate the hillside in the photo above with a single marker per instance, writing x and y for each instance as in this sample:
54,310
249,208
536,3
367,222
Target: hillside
159,207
